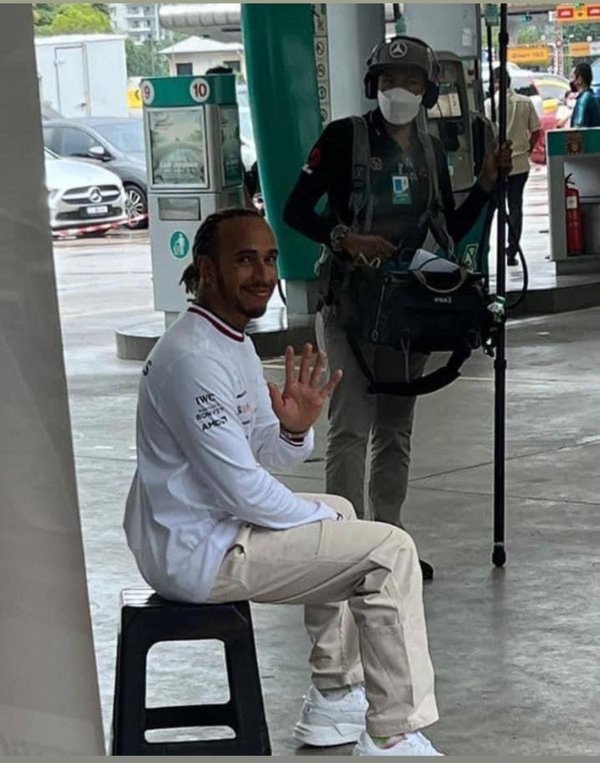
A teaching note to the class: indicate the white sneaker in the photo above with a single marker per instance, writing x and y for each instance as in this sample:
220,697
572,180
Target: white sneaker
327,722
412,744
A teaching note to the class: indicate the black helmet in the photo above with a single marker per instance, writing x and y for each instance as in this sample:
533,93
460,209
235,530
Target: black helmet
404,51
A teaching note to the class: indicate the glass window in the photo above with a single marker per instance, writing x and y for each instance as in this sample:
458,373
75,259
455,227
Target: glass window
244,111
184,68
76,142
178,147
52,138
553,90
127,136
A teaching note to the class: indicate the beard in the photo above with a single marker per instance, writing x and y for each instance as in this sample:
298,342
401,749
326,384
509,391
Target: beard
249,312
245,310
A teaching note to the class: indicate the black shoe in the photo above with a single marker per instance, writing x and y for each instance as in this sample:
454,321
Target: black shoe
426,570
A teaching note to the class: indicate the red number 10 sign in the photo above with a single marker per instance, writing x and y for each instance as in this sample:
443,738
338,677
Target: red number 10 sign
199,90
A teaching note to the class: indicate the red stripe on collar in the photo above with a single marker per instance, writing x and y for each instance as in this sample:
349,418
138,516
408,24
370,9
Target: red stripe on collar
220,325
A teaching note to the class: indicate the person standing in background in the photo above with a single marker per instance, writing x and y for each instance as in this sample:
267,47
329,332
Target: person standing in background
523,130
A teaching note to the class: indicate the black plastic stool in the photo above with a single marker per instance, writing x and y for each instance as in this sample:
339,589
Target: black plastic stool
146,619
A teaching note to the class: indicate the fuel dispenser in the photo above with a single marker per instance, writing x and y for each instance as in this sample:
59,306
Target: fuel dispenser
194,167
450,121
464,135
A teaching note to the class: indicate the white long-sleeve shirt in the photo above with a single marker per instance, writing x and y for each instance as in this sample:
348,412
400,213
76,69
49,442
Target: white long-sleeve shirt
206,434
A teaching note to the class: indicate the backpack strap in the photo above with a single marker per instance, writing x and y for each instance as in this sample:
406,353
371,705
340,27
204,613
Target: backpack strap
434,212
437,218
360,196
424,385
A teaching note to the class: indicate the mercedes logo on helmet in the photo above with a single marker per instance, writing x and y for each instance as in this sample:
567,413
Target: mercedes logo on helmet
95,195
398,49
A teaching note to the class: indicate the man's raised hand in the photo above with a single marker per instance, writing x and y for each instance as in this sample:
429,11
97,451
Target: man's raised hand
299,404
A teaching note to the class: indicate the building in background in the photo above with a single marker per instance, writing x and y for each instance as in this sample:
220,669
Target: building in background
139,22
197,54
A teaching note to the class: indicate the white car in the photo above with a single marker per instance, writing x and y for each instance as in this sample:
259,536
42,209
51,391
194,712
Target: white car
82,196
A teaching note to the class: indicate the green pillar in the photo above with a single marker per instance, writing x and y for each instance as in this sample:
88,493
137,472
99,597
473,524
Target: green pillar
282,86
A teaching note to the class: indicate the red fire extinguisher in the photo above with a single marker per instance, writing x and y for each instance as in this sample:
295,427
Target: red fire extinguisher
573,219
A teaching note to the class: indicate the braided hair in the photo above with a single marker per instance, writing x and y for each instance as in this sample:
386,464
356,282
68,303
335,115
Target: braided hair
205,243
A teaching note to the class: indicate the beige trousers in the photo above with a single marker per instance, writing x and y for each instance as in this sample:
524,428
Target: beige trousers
361,586
355,416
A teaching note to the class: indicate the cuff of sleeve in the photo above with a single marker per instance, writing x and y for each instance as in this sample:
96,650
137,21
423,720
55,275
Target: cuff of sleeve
297,440
332,515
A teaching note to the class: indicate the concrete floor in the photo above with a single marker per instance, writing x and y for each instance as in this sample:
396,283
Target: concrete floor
516,650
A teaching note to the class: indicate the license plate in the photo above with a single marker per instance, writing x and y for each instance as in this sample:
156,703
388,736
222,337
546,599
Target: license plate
103,210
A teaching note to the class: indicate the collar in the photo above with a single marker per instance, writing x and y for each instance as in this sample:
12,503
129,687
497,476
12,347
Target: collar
376,120
218,323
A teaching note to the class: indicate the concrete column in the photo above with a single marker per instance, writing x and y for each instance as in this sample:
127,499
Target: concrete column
452,27
49,702
353,31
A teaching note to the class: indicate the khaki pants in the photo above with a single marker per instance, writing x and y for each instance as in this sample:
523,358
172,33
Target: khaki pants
354,416
361,586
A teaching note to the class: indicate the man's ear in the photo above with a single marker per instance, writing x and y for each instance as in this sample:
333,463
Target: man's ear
206,268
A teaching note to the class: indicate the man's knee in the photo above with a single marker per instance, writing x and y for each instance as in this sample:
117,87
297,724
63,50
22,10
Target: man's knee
335,502
389,546
401,540
340,504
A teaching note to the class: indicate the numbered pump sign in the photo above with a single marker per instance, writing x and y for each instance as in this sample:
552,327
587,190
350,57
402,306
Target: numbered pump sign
194,166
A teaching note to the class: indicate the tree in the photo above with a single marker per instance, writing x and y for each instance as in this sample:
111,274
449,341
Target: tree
80,18
528,35
580,32
43,14
71,18
144,60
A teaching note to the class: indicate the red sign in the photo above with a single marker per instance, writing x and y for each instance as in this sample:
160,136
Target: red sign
564,12
577,13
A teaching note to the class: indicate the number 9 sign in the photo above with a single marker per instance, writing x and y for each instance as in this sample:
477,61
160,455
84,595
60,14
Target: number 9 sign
199,90
147,90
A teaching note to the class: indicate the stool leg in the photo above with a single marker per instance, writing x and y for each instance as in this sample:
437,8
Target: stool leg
245,689
129,719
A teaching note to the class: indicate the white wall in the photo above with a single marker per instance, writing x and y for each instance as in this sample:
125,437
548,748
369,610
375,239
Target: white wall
353,31
456,26
203,61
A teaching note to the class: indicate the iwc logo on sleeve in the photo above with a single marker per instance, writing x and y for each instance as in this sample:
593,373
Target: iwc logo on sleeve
398,49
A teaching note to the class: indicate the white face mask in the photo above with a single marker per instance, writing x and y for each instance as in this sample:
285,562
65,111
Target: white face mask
398,106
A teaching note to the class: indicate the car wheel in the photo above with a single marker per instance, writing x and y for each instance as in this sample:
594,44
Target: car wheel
136,207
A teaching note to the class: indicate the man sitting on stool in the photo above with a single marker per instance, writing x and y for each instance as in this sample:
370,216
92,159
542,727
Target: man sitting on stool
207,523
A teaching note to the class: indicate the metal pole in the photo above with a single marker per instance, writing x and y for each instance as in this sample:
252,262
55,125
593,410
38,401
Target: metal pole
491,68
499,552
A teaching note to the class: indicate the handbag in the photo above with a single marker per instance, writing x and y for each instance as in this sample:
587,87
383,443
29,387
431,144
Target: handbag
415,311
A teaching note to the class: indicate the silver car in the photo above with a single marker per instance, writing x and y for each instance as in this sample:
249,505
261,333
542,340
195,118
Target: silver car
82,197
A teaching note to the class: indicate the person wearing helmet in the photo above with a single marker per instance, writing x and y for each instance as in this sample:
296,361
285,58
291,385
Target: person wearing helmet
410,197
